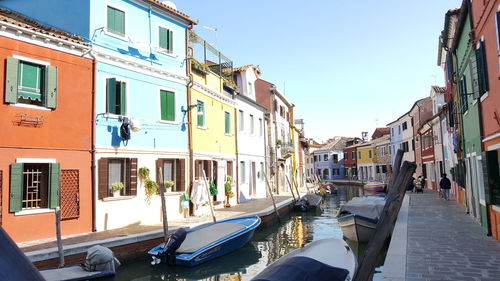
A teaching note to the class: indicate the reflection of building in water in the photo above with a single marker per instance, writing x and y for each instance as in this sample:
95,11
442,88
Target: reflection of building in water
299,230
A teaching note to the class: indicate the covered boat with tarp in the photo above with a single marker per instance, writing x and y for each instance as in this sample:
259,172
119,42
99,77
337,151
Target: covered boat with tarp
358,218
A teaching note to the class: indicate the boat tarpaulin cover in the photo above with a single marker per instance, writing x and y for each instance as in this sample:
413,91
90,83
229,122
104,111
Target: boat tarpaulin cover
370,207
203,237
301,268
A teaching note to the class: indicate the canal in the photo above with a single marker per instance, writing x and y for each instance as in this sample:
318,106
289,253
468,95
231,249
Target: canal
267,245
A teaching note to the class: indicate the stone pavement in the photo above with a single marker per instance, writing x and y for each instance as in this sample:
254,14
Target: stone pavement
40,249
435,239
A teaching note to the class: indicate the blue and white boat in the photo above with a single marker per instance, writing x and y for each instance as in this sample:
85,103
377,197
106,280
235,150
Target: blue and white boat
205,242
358,218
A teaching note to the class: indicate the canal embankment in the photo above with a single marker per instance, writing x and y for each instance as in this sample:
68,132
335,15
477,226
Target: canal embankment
135,240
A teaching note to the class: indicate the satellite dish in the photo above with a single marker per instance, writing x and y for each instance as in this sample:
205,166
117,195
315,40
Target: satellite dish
169,4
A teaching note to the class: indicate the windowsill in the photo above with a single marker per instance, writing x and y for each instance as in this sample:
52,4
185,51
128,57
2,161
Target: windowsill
111,115
474,102
228,135
170,122
174,193
167,53
30,106
33,212
201,128
119,198
115,35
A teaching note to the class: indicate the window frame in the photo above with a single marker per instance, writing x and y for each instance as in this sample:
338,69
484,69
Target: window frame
160,48
125,19
204,125
227,130
160,89
105,96
241,120
252,124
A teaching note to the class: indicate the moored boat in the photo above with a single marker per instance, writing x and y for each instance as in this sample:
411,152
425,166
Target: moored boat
308,202
326,259
358,218
206,242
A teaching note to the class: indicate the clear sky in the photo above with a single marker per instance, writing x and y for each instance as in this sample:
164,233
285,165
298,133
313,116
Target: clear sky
348,66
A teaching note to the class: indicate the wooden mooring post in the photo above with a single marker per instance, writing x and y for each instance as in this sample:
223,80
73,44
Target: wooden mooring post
209,196
386,221
291,190
163,206
272,198
58,236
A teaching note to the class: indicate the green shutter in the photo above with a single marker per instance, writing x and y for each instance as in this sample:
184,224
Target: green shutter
170,40
12,65
201,114
54,185
123,98
170,114
163,105
111,95
111,19
163,38
120,22
16,187
51,87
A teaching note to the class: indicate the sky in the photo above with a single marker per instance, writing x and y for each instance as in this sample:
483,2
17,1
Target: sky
348,66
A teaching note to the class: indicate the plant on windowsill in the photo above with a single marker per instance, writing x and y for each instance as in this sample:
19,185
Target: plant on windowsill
200,67
230,84
143,173
116,188
168,186
279,142
228,188
150,187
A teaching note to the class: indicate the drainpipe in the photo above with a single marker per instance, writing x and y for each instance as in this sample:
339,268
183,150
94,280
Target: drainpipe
189,121
237,163
92,153
276,172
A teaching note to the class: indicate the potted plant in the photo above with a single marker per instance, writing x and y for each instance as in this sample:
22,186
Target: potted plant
228,188
116,188
168,186
150,187
143,173
200,67
230,84
279,142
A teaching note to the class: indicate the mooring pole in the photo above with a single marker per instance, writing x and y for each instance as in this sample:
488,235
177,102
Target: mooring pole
291,189
272,197
58,236
163,205
208,193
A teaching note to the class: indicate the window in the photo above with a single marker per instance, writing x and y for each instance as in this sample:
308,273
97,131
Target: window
482,70
369,154
399,130
172,170
200,114
243,172
325,157
282,111
413,145
404,146
319,172
116,21
252,125
315,158
241,122
326,174
392,131
167,103
116,96
462,86
405,126
30,83
359,154
166,39
353,155
34,186
261,129
261,170
336,172
335,158
227,123
114,170
346,156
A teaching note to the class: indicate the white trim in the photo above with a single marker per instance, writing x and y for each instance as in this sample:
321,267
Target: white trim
496,208
24,105
484,96
209,92
36,160
167,89
105,24
482,202
34,212
35,61
491,137
493,147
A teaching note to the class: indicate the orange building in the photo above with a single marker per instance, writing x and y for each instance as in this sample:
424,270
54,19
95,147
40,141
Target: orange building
46,138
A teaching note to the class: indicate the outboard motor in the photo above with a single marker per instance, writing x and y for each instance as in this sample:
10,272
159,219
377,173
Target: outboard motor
166,250
302,205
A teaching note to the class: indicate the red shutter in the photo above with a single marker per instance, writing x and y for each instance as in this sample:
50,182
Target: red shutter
102,178
133,176
70,194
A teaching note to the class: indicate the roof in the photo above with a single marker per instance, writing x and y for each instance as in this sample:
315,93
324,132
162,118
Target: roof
172,10
337,143
22,21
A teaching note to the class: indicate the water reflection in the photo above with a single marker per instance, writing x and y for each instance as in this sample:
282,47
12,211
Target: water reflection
267,245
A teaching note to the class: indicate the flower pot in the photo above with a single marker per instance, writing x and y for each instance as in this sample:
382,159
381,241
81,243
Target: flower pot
168,189
116,193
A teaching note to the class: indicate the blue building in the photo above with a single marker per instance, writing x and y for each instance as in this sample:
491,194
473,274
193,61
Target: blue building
140,87
329,159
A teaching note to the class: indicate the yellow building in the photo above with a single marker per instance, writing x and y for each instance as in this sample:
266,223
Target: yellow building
366,157
212,120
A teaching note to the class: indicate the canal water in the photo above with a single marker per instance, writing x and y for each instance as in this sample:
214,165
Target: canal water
267,245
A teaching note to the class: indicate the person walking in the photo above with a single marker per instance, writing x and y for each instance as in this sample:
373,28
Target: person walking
445,185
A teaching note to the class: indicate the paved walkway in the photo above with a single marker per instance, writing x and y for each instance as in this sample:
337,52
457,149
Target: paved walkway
435,239
47,248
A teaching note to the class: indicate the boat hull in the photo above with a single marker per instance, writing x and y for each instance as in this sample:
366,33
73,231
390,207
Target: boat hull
357,228
210,248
